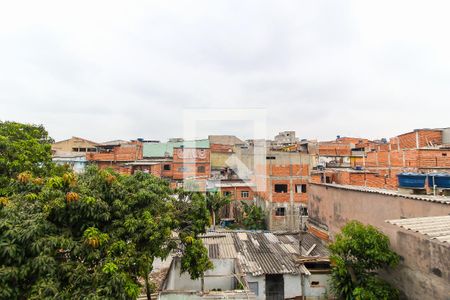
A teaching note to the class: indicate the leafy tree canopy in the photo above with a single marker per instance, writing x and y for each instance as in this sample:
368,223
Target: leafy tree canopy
92,236
23,147
215,201
253,217
357,253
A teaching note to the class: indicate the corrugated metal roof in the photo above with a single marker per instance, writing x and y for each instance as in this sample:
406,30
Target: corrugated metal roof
261,253
430,198
113,143
435,227
166,149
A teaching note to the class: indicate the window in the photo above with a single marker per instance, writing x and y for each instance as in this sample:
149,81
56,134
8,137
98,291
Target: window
227,193
280,188
280,212
244,194
201,169
166,167
183,169
270,157
300,188
303,211
253,287
314,283
444,154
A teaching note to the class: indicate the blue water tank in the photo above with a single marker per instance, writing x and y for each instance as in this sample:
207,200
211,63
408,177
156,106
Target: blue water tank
411,180
441,180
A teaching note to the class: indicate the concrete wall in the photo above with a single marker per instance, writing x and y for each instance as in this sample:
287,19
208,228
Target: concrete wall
335,206
422,258
423,272
74,142
317,291
261,280
292,286
289,222
232,295
78,164
178,281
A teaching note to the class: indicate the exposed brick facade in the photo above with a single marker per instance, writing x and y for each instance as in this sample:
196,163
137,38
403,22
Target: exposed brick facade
417,139
191,163
117,157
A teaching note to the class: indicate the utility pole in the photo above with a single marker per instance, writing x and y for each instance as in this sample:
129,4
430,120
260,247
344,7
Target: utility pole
302,280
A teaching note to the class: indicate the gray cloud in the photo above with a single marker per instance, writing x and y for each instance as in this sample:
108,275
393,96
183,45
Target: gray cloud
110,69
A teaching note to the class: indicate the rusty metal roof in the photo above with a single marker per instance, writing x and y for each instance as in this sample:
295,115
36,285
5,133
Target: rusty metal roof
435,227
261,253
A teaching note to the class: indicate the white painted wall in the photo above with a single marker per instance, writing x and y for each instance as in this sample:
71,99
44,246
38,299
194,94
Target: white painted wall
177,281
321,289
292,287
261,280
77,163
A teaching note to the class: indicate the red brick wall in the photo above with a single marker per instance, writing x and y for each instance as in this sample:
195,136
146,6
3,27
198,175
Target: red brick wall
334,149
219,148
125,152
181,171
155,170
315,178
280,197
116,166
187,160
167,173
236,192
300,197
430,158
425,136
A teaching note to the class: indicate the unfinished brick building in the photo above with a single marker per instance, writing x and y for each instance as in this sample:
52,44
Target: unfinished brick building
379,162
116,155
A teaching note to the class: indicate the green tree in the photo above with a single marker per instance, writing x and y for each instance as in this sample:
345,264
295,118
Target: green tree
94,236
357,253
195,260
215,201
253,217
23,147
193,218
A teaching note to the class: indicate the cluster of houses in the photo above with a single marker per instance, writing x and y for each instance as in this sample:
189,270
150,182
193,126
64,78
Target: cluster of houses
308,190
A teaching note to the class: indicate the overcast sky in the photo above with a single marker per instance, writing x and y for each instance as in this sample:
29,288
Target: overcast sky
125,69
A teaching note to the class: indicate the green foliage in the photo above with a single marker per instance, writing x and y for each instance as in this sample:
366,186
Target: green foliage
192,214
97,242
253,217
374,289
357,253
23,148
92,236
195,259
215,201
